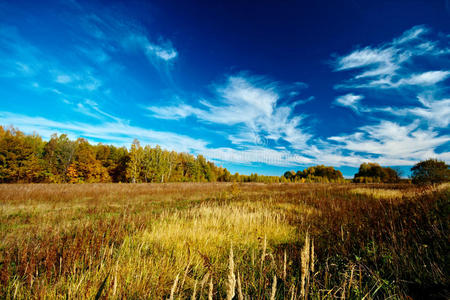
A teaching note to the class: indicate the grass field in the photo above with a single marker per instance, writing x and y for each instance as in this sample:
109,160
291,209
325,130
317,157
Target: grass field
223,240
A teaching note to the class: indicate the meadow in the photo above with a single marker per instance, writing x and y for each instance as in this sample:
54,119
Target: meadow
224,241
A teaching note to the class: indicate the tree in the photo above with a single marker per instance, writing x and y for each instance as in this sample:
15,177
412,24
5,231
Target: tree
20,159
27,158
88,167
373,172
430,171
319,173
134,165
117,167
289,175
58,155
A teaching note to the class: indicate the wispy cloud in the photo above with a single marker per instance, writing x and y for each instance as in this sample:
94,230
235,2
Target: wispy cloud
139,41
410,133
115,30
257,154
424,79
411,34
113,132
63,79
434,112
121,133
175,112
389,64
392,141
349,100
24,60
249,101
19,58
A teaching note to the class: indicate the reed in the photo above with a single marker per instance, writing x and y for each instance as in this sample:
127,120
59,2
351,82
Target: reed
231,280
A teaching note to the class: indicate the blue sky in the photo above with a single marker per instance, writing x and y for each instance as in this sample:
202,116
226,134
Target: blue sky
254,86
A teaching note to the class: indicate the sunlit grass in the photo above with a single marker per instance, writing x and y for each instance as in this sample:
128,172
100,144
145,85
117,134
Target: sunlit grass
65,241
380,193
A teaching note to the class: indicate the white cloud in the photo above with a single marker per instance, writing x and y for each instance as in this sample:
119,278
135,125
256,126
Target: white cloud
166,54
435,112
121,133
387,143
249,101
426,78
392,142
63,79
411,34
174,112
19,58
349,100
27,62
302,101
257,155
83,79
113,132
138,41
390,64
92,109
376,62
410,135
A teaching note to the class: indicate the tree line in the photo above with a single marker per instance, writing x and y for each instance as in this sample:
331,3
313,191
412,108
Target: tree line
320,173
367,173
427,172
28,158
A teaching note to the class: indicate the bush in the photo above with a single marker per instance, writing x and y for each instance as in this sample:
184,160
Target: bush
431,171
372,172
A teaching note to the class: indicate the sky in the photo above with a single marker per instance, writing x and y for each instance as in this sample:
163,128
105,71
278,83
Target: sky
255,86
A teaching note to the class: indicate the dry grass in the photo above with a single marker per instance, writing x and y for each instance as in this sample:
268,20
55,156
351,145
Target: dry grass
383,193
210,241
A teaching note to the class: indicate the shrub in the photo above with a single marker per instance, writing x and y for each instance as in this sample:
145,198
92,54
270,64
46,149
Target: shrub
430,171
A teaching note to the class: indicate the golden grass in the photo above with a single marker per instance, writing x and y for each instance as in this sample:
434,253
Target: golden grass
382,193
198,241
379,193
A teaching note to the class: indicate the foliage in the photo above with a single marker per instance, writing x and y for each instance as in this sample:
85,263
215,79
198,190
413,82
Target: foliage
27,158
430,171
20,157
319,173
374,173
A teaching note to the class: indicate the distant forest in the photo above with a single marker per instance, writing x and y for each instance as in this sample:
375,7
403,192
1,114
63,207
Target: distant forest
28,158
367,173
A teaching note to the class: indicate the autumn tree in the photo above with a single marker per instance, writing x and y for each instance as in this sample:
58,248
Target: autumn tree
88,168
20,159
430,171
27,158
373,172
319,173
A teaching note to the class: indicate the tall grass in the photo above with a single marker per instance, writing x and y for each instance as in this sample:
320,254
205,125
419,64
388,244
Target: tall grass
211,241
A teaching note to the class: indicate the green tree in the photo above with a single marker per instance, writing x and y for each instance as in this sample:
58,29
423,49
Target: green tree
289,175
117,163
134,165
430,171
58,155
